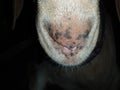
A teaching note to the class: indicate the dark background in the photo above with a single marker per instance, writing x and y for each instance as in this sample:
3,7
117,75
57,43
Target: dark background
20,47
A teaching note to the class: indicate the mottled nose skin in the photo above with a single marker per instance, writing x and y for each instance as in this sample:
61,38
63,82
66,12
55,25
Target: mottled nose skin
69,32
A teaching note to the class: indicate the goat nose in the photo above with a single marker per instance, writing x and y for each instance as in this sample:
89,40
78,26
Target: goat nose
68,32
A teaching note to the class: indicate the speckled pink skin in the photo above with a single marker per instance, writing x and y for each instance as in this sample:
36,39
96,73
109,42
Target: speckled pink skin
68,34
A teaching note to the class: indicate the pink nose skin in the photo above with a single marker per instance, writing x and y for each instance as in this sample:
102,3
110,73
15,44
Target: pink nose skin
69,32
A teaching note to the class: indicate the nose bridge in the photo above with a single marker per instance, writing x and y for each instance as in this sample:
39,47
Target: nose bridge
68,31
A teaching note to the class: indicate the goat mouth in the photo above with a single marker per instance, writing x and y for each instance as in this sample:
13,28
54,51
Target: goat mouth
68,51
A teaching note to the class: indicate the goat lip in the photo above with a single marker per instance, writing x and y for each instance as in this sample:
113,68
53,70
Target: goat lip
70,52
73,49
